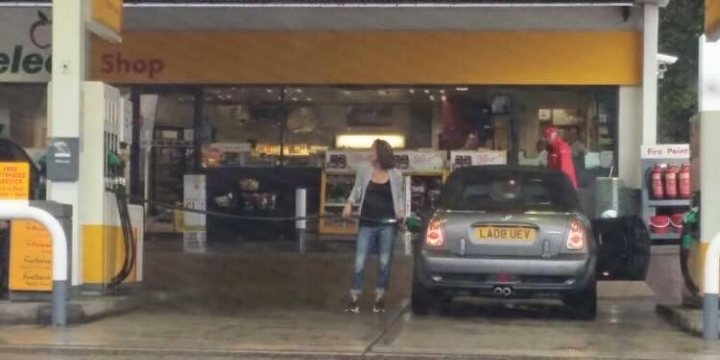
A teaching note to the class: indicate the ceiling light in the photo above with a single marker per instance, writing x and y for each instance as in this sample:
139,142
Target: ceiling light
427,91
308,99
346,92
432,97
443,98
442,91
365,141
294,99
412,91
299,91
461,88
269,90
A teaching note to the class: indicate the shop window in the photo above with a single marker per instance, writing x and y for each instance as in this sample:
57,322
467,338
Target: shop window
23,114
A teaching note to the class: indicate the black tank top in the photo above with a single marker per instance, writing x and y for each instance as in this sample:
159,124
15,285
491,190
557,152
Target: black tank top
378,205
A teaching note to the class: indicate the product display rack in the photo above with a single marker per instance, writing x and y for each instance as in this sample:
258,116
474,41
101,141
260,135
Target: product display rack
424,172
664,155
170,160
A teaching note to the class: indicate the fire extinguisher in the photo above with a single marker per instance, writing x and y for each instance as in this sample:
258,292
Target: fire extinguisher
671,183
684,184
656,182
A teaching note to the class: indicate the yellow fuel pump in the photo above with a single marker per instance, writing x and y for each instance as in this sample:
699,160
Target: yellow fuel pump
111,230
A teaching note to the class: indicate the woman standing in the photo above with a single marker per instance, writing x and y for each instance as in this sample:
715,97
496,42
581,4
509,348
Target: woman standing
378,191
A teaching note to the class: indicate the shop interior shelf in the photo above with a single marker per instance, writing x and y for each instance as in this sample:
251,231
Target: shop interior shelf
666,236
675,202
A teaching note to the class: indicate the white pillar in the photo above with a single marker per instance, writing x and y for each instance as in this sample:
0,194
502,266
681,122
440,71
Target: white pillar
651,20
65,104
630,133
709,164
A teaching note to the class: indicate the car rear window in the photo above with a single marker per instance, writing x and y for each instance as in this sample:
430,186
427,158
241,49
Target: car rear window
509,191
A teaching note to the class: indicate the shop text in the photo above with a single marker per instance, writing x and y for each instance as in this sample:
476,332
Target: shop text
19,62
118,64
675,151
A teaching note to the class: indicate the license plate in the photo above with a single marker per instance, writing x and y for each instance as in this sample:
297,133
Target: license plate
509,234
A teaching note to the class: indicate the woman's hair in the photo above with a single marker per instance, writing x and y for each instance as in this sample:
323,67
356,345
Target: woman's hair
385,157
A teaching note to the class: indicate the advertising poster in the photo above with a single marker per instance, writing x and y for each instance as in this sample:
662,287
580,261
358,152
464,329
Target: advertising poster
30,257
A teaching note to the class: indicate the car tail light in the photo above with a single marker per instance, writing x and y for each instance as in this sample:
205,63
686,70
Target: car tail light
434,236
576,236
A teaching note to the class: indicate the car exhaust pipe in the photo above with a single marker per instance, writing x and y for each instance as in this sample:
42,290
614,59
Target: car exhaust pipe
507,291
498,290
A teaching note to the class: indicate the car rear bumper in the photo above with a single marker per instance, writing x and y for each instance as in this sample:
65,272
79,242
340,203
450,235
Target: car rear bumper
526,277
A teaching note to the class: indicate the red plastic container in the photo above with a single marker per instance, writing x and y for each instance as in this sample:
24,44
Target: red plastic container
660,224
676,222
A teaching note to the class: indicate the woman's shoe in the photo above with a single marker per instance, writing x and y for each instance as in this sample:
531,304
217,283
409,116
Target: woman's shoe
379,307
353,307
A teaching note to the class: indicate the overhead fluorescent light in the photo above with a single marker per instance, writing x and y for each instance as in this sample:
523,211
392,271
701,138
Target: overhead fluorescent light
461,88
365,141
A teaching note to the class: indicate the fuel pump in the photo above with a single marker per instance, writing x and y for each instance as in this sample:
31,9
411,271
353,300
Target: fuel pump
111,229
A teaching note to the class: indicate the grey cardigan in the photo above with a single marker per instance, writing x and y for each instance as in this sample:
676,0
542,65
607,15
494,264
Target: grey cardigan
397,186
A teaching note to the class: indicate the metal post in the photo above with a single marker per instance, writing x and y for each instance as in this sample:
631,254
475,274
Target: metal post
301,213
711,285
651,20
11,210
65,106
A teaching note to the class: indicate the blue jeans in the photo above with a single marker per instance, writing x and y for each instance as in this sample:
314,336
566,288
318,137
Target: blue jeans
367,235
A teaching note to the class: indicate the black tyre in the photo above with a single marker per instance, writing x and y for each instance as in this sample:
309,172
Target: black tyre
422,300
640,243
583,305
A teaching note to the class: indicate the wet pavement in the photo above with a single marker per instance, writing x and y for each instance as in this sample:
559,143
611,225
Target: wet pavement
259,306
624,330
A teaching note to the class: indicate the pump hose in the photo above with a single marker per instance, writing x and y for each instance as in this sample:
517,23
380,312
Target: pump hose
115,170
168,206
129,243
689,220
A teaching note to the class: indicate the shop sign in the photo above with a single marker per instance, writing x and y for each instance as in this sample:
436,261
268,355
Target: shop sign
712,19
15,181
194,196
461,159
669,151
25,54
194,241
420,161
331,57
106,19
347,160
30,257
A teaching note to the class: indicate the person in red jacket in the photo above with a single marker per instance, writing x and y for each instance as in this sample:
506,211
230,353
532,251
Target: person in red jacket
559,155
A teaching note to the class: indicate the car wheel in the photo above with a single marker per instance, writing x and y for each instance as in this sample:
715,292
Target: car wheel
422,300
583,304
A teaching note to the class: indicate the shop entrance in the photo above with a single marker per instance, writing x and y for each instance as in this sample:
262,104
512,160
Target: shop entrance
283,134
